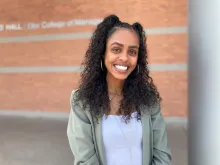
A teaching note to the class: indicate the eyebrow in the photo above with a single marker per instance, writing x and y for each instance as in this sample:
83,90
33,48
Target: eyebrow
117,43
134,46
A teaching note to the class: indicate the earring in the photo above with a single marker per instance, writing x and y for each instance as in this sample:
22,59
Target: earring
138,69
101,66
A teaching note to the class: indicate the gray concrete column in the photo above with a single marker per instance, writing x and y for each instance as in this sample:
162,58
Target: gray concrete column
204,82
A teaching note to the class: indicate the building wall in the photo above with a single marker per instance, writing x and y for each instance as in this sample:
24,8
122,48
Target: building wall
28,41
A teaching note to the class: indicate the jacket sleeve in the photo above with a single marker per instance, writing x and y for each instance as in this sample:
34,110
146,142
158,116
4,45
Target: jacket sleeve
161,150
79,133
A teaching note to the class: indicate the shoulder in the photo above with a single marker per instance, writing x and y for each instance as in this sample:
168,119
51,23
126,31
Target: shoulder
73,93
77,105
73,98
155,109
151,110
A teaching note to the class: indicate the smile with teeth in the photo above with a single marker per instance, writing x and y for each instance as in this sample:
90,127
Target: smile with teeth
121,67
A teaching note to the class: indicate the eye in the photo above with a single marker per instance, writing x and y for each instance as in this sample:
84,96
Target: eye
132,52
116,50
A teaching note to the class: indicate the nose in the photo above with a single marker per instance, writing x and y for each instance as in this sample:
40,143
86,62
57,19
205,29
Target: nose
123,57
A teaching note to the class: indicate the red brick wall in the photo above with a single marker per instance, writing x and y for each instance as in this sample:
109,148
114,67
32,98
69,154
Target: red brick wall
51,91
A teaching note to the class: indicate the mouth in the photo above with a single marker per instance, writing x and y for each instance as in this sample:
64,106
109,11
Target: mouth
121,68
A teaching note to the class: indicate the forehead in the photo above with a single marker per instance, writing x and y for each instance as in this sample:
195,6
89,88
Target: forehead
124,36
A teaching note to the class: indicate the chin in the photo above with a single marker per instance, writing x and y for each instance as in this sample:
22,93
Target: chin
120,77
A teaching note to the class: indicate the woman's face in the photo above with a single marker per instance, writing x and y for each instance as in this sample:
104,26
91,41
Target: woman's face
121,53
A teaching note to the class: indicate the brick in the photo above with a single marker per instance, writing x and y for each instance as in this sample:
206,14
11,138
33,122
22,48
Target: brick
163,49
51,91
47,53
157,13
172,86
43,91
167,49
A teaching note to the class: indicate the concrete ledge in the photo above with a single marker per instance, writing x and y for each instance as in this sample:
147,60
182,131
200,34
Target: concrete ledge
34,114
65,115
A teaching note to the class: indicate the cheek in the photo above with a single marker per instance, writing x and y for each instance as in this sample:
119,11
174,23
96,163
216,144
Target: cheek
109,59
134,62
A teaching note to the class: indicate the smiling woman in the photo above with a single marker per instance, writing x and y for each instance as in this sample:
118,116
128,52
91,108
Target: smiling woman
115,115
121,54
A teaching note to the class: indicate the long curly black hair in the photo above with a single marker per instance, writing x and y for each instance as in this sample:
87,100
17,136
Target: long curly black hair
138,90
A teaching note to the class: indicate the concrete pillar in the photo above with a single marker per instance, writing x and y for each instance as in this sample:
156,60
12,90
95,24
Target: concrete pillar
204,82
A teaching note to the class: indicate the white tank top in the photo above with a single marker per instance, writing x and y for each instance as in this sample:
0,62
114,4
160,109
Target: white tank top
122,142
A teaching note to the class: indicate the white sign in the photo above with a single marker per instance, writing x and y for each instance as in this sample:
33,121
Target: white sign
48,24
13,27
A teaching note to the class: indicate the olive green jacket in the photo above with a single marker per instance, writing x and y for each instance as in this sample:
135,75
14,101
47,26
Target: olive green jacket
85,138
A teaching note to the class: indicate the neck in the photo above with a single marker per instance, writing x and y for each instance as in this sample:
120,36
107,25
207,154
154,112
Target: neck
114,85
